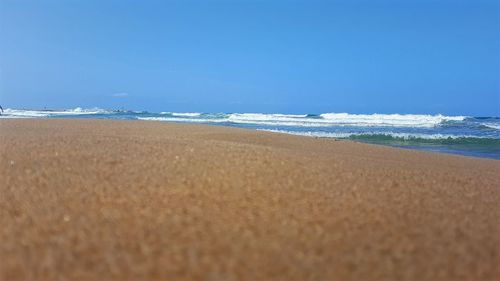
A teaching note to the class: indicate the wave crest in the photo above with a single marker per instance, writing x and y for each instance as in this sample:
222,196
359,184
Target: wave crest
396,120
22,113
393,136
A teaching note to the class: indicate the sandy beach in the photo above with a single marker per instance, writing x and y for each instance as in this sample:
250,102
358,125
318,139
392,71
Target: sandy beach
136,200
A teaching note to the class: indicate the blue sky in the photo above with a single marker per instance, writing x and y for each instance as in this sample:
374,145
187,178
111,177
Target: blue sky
385,56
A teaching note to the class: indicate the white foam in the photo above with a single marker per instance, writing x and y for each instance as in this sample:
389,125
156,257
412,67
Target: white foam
261,119
22,113
276,120
492,126
324,120
13,113
181,114
405,136
242,118
266,117
343,119
396,120
186,114
3,116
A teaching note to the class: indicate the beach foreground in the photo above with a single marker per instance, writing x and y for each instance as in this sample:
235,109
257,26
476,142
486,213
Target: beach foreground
133,200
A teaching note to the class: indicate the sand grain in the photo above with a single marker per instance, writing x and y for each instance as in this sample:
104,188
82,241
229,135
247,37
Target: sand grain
126,200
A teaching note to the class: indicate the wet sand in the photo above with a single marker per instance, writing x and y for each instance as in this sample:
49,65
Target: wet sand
132,200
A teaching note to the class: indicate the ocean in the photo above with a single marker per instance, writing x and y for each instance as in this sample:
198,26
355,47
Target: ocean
463,135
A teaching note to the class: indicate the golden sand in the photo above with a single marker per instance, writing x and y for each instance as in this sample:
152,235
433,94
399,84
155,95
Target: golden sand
131,200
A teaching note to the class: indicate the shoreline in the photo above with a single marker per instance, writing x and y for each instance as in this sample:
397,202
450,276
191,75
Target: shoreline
482,142
459,135
88,199
410,148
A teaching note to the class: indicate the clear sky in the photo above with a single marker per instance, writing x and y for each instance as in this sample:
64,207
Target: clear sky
385,56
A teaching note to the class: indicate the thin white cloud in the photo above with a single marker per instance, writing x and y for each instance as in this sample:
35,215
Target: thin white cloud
120,95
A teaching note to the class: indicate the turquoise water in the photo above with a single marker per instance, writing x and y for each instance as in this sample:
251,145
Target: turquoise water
464,135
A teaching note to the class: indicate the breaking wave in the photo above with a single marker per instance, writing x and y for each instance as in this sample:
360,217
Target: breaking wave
344,119
398,137
491,126
21,113
476,136
183,114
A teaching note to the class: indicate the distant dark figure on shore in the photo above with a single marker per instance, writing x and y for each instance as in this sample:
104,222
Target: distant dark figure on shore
1,110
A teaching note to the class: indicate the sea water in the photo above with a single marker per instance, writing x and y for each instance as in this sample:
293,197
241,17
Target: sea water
464,135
